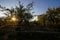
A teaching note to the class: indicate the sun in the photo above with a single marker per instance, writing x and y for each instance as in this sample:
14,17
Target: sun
13,18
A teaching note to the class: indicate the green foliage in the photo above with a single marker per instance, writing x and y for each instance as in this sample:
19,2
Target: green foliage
52,17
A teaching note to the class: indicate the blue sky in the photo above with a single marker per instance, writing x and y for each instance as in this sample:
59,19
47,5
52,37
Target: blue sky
40,6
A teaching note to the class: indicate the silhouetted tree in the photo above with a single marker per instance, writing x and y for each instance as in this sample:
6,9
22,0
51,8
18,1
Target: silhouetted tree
53,14
51,17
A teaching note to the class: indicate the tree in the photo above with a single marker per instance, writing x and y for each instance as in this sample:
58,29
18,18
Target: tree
42,19
24,13
52,14
20,11
51,17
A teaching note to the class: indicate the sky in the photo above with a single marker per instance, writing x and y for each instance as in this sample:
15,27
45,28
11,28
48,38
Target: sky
40,6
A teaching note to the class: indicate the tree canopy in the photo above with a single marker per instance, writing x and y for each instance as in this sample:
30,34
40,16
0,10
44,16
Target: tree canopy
51,17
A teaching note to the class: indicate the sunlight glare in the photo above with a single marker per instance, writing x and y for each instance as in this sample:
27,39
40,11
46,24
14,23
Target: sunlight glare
14,18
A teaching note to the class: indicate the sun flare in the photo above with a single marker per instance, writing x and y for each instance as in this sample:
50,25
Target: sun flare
13,18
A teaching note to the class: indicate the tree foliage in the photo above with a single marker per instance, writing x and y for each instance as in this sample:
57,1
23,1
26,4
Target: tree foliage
51,17
21,11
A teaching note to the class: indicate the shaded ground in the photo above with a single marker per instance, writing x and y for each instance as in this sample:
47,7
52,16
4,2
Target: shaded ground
29,32
29,36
